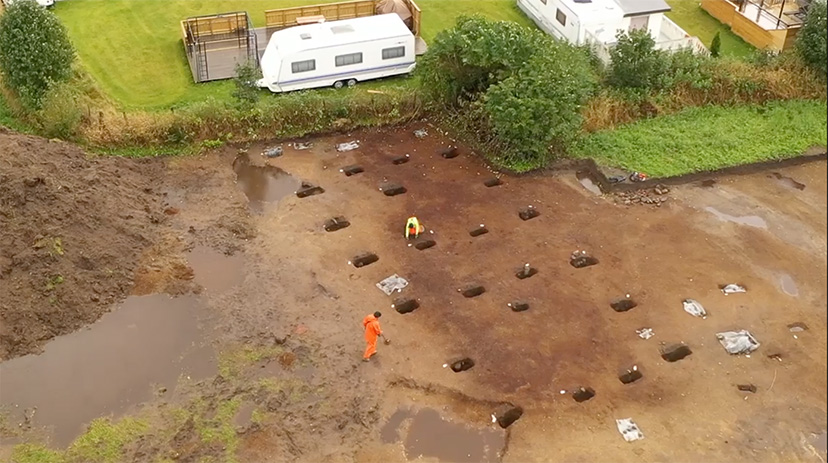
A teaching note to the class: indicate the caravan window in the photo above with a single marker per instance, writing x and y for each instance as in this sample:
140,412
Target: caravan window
561,17
391,53
349,59
303,66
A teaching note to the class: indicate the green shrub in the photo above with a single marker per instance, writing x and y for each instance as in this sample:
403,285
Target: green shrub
247,74
465,60
35,52
540,106
716,45
61,115
636,63
688,68
812,38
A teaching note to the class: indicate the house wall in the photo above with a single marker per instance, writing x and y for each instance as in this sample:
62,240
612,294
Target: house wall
653,24
751,32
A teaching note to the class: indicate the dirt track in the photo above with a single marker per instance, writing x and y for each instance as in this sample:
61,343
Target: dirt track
299,290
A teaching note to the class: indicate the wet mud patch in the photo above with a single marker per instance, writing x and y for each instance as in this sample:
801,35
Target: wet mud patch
472,291
749,220
787,181
507,415
479,231
309,189
336,223
462,364
364,259
352,170
429,435
405,306
528,213
675,352
401,160
519,306
630,375
392,189
492,182
215,271
623,305
788,285
583,394
747,388
526,272
425,244
262,184
106,369
586,180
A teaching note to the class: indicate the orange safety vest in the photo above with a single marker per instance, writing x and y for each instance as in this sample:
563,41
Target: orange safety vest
412,226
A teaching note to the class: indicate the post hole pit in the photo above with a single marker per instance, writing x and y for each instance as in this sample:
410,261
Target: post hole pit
425,244
675,352
478,231
473,291
528,213
583,394
493,182
352,170
462,364
308,189
450,152
401,160
405,306
392,189
519,306
623,305
336,223
747,388
583,261
526,272
364,259
630,375
507,414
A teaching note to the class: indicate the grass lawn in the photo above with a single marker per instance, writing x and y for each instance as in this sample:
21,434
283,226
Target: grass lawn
709,138
689,15
133,48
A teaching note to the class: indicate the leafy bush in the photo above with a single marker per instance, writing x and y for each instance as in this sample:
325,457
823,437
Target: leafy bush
476,53
716,45
540,106
813,37
636,63
60,116
247,74
35,52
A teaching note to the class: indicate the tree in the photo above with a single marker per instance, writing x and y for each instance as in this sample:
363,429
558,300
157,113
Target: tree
247,74
636,63
811,40
541,105
35,52
716,45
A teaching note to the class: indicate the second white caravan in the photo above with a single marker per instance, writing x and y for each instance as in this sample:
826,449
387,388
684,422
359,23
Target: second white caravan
337,53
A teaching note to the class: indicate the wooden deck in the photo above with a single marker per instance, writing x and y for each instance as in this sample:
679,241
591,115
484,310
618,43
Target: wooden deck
222,56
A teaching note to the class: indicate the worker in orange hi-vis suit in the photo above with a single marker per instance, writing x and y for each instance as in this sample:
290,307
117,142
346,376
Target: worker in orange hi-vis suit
413,227
372,331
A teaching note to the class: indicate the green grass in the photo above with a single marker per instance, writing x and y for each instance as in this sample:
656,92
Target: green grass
690,16
709,138
134,52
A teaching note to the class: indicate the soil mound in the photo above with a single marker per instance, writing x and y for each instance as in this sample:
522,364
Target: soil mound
73,228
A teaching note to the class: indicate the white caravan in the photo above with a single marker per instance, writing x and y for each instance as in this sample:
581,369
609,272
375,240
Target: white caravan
337,53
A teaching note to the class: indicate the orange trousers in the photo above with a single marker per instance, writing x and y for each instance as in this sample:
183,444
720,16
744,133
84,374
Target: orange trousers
371,348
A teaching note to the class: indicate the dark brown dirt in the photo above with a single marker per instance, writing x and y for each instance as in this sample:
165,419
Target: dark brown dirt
73,230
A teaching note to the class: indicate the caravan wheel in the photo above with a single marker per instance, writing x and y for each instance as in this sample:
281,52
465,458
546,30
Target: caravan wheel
338,84
351,82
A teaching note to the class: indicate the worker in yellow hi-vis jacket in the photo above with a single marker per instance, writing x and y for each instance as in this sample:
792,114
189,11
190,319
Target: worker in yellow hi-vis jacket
413,228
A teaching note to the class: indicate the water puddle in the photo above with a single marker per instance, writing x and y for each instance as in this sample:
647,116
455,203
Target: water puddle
262,184
749,220
788,285
820,442
215,271
122,360
788,181
588,183
429,435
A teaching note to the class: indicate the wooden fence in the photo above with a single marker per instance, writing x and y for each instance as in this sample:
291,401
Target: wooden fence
754,34
287,17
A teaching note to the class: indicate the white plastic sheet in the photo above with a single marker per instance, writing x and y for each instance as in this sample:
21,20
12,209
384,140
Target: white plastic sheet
629,430
694,308
738,342
392,284
733,288
348,146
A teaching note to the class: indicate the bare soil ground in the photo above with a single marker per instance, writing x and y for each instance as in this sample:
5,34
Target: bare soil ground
297,310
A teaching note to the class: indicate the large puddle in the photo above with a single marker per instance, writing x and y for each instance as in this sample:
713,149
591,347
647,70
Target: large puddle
122,360
589,184
749,220
262,184
215,271
788,285
429,435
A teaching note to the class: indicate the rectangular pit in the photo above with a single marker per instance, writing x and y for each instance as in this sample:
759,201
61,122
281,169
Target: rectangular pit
479,231
675,352
519,306
336,223
623,305
352,170
404,306
473,291
462,365
528,213
308,189
392,189
583,394
492,182
364,259
425,244
401,160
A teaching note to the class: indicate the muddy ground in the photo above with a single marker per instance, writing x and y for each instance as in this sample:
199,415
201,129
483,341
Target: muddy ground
279,302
